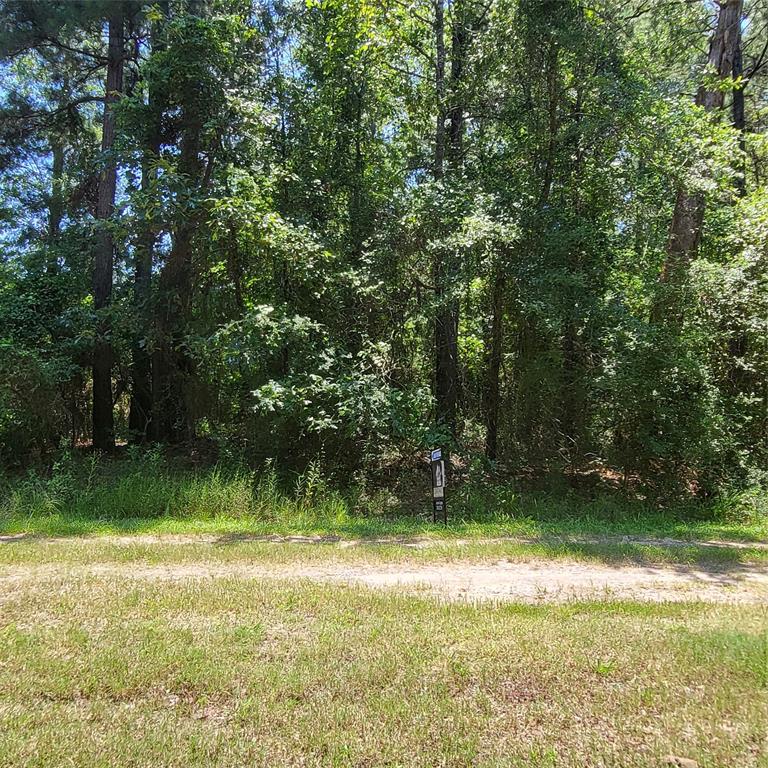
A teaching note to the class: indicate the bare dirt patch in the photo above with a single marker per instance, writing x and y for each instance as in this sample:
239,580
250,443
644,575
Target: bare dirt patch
530,579
504,581
545,581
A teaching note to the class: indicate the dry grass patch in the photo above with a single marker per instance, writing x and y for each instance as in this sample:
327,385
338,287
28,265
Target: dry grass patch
224,671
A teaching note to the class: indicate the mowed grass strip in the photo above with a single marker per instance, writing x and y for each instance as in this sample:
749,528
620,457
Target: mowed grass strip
113,672
538,522
168,549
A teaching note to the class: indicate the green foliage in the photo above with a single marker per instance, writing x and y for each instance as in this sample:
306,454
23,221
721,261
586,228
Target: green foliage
662,412
325,399
32,412
306,188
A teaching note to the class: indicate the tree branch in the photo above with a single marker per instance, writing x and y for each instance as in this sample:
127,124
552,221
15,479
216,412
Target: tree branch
51,112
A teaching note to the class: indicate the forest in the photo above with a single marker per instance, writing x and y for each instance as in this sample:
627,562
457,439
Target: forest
276,232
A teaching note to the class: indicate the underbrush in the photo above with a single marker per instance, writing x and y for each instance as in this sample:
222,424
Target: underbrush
148,492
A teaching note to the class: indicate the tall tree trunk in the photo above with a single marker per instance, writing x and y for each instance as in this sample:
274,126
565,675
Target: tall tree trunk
103,416
528,407
573,403
531,339
739,116
688,217
280,275
552,72
352,159
739,378
456,111
172,364
358,220
573,397
444,267
141,411
141,407
495,350
439,29
174,367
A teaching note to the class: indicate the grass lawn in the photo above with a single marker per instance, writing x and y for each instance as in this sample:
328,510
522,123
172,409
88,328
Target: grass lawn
111,670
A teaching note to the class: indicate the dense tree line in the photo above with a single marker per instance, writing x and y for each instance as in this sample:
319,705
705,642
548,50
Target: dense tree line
532,231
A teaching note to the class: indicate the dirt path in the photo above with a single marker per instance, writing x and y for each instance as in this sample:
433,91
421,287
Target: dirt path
530,582
547,581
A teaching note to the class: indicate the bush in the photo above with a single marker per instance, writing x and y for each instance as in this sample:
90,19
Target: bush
32,412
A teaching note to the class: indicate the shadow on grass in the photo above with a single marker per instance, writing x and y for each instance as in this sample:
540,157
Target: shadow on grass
705,563
660,526
413,540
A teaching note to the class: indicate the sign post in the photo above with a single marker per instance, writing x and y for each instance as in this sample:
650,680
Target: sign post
439,508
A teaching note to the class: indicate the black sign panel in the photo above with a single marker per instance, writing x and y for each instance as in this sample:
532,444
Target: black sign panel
439,507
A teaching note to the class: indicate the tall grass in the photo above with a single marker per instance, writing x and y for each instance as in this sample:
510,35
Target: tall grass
148,490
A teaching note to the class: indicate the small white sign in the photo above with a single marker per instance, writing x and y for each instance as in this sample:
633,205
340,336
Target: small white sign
438,476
